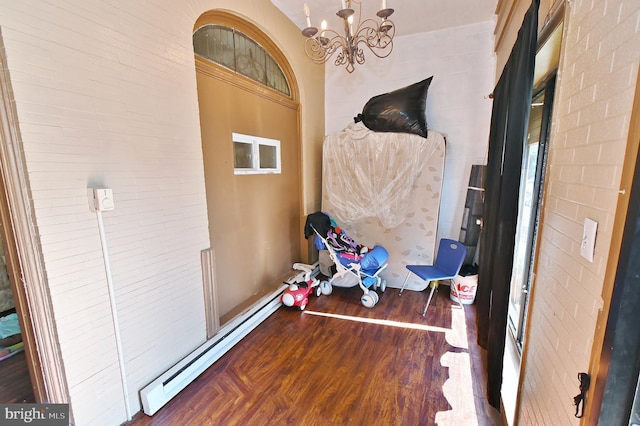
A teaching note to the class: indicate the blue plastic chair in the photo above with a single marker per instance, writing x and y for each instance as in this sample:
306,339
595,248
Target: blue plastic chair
449,260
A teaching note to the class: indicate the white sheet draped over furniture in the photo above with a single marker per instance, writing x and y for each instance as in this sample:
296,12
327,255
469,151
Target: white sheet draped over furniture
385,188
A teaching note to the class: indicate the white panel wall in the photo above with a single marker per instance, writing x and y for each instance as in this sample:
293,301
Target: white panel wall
462,63
106,96
597,79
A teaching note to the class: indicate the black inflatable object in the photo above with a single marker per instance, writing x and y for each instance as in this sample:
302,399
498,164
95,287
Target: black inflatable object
400,111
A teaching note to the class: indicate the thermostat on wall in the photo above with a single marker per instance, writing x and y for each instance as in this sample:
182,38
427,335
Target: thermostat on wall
100,199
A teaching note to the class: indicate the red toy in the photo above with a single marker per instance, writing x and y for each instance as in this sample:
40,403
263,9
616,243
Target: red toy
297,294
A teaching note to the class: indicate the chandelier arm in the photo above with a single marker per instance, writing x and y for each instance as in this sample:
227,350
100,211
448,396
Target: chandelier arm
359,55
370,30
342,58
320,49
330,34
380,43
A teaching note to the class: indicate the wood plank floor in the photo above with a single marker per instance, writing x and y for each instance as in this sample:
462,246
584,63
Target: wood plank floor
15,384
340,363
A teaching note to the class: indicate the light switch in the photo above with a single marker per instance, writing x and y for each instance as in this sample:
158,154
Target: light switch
588,243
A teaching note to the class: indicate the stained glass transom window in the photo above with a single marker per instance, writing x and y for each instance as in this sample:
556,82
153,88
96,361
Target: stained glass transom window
238,52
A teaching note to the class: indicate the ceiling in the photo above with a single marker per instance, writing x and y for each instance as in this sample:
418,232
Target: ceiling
410,17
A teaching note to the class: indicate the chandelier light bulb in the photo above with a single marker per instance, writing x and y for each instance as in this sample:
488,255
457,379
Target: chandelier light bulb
306,14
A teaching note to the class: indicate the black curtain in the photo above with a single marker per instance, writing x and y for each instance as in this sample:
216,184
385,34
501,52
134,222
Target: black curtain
509,121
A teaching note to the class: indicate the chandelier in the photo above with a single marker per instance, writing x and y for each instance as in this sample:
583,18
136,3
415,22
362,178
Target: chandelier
377,35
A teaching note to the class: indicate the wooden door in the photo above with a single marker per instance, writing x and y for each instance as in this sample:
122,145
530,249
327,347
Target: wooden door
254,220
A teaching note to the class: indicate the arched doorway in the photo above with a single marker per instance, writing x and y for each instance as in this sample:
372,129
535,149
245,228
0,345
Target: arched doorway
249,119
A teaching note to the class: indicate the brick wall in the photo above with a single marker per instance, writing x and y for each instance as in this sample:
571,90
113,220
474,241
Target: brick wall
596,83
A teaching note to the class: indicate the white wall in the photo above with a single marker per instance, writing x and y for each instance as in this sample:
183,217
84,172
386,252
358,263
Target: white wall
98,107
105,94
462,63
594,96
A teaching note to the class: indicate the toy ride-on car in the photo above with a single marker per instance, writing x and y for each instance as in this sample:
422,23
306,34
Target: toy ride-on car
301,286
297,294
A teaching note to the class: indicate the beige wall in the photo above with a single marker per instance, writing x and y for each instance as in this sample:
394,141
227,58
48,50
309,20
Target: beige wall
105,94
594,95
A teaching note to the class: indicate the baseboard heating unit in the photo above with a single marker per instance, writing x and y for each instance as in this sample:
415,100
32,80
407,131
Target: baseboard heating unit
169,384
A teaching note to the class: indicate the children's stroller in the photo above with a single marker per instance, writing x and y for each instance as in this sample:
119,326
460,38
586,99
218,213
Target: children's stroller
354,264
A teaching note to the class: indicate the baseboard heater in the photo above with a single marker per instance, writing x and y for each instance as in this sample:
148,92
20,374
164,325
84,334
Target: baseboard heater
169,384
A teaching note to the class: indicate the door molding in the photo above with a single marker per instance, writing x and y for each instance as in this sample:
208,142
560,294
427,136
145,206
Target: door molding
24,259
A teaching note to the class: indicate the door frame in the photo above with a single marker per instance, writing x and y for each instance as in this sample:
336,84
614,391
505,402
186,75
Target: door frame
24,258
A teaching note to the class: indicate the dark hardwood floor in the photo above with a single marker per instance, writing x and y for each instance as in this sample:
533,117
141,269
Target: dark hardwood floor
340,363
15,384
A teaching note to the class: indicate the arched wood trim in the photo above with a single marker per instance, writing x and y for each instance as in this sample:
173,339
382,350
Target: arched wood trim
238,80
220,17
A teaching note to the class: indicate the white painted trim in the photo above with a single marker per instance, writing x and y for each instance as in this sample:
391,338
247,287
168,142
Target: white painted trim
255,142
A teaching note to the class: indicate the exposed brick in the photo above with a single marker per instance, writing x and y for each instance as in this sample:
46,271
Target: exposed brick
600,63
